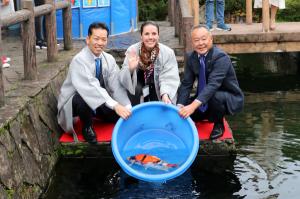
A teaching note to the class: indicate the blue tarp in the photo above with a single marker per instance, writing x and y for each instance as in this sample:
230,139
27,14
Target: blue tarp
119,15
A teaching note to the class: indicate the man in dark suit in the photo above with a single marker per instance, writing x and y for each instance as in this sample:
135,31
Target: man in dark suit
218,91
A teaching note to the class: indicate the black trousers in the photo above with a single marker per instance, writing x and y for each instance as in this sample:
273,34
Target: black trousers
216,109
85,113
136,99
40,25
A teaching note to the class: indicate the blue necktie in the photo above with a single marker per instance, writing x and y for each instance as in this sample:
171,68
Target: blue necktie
202,81
99,75
98,67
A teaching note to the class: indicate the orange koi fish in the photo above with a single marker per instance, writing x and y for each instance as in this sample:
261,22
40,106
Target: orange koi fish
150,161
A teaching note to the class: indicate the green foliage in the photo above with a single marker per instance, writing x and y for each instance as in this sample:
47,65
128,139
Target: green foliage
238,8
292,11
235,7
156,10
10,193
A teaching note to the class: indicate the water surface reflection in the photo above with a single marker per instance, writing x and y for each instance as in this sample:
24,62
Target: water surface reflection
267,137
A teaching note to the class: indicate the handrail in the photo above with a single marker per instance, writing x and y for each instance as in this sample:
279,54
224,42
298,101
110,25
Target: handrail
26,16
42,10
16,17
23,15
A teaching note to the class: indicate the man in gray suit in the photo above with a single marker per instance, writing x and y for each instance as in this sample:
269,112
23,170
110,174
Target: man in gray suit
218,91
92,87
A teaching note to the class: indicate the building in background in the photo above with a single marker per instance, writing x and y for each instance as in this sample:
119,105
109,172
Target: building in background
119,15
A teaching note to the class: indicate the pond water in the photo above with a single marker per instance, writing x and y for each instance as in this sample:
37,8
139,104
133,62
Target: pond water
267,135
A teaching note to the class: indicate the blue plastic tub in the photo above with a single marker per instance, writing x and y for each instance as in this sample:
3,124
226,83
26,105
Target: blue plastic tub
155,128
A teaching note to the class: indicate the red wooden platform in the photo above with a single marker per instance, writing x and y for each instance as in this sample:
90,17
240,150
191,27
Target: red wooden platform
104,131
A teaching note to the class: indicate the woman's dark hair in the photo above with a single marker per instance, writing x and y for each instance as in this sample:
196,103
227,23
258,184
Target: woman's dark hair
97,25
149,23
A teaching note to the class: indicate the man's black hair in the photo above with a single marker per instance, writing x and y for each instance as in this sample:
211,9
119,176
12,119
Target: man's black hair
97,25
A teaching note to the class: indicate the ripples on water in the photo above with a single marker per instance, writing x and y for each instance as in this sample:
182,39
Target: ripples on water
268,164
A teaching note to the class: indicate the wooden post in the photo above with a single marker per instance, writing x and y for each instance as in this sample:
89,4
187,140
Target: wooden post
176,17
2,101
29,51
265,16
171,11
190,2
67,23
196,12
249,12
50,20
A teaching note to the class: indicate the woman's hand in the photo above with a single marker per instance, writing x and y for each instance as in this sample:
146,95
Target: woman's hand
165,98
133,59
122,111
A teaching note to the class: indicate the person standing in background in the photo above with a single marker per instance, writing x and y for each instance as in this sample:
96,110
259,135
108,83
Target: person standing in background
209,15
274,6
40,28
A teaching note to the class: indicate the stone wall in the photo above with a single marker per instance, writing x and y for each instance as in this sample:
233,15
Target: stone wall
29,142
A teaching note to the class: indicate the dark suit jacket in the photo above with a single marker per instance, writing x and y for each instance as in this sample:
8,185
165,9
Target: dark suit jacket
220,77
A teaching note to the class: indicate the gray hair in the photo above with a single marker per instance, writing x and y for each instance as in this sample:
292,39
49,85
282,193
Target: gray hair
201,26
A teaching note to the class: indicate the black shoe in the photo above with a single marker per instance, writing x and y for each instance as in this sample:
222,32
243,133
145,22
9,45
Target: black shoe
38,44
217,131
89,135
41,44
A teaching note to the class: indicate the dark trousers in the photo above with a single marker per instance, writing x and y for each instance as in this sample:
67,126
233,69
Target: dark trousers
85,113
216,109
136,99
40,25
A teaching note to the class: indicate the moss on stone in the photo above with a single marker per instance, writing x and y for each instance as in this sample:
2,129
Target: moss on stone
77,150
4,128
10,193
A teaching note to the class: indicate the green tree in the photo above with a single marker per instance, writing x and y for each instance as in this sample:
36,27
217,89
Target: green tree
292,11
156,10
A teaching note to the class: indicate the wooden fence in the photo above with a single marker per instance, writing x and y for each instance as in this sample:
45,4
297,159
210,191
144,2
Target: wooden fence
26,16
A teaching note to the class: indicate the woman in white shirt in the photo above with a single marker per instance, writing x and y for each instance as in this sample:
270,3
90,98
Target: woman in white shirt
274,4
